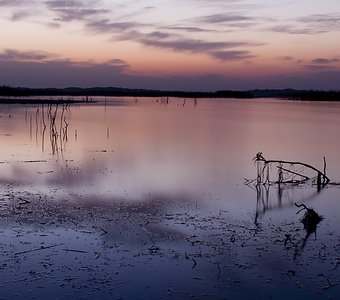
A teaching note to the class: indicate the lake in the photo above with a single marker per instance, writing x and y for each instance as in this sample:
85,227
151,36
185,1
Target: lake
145,198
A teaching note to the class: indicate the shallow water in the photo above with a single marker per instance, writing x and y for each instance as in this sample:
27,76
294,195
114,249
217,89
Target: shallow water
141,186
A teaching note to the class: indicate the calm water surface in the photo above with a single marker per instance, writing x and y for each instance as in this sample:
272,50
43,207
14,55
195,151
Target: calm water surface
133,148
151,157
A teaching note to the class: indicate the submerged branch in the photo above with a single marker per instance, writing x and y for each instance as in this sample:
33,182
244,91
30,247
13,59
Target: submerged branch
310,219
38,249
264,164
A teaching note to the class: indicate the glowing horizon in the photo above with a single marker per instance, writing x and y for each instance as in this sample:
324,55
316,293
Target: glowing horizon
191,45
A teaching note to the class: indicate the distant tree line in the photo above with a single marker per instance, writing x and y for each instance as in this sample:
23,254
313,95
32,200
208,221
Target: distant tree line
286,94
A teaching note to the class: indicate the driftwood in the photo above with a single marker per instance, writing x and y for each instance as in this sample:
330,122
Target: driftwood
311,218
284,176
289,172
310,221
38,249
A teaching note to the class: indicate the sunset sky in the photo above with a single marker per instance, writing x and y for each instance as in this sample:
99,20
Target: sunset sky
202,45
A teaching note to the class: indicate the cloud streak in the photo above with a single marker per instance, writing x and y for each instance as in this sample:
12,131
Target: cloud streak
15,55
326,21
232,55
322,60
67,11
309,25
228,20
190,45
217,50
169,41
296,30
12,3
114,22
106,26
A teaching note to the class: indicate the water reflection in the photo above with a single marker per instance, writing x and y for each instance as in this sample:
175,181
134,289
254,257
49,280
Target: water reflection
270,198
310,221
147,186
53,117
125,146
293,182
290,187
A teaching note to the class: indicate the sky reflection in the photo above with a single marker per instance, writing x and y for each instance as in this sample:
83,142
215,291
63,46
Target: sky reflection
134,190
148,147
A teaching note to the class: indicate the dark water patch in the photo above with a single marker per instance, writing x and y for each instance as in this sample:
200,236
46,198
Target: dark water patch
119,249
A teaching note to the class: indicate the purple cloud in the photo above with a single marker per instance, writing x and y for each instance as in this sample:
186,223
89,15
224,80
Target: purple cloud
106,26
331,21
67,11
12,3
170,41
232,55
216,50
15,55
191,45
325,60
191,29
309,25
292,29
171,37
285,58
21,15
63,3
227,19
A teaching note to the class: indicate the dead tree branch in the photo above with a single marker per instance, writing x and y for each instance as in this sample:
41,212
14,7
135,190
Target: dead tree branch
263,171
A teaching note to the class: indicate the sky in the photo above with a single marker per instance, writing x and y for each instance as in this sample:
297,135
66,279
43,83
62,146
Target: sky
192,45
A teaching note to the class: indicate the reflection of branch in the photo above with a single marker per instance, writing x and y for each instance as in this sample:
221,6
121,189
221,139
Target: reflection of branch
310,220
195,263
43,139
57,123
65,136
265,199
299,249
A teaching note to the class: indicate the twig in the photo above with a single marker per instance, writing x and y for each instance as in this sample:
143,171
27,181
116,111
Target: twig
104,231
24,201
195,263
33,161
38,249
156,210
219,271
301,205
330,285
337,262
74,250
47,172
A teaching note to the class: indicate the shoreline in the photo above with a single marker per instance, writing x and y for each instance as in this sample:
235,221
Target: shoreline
280,94
40,101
